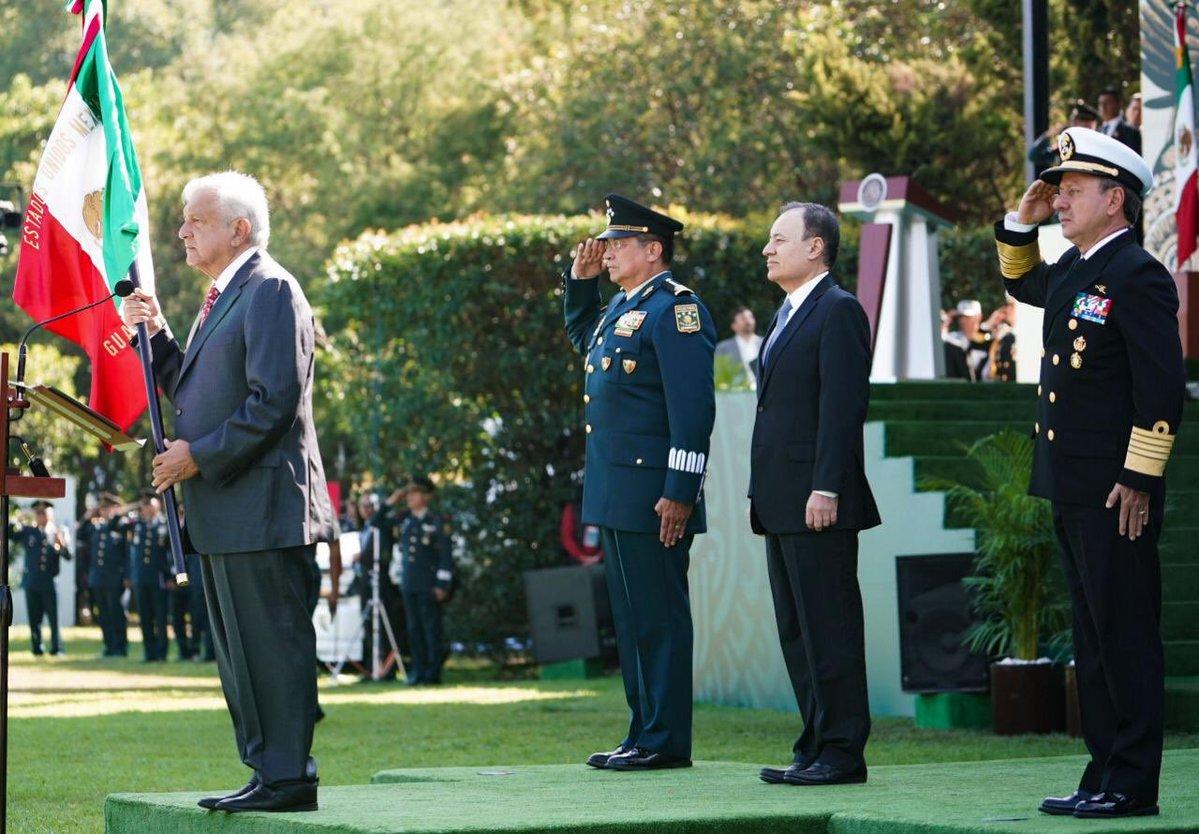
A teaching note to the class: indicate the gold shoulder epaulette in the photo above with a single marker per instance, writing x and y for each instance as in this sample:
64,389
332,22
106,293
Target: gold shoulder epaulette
1148,450
1017,261
677,288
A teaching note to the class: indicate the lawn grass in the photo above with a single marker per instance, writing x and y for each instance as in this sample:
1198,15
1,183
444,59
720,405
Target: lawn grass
82,728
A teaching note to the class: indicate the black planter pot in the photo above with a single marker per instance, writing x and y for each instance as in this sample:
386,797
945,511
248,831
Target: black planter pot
1027,698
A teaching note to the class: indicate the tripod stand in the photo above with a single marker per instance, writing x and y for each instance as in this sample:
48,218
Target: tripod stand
375,614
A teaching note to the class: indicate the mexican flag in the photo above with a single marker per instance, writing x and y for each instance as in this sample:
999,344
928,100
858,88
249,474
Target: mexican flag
86,224
1186,156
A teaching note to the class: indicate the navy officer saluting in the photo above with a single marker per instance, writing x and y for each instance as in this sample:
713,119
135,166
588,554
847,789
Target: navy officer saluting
649,403
1109,406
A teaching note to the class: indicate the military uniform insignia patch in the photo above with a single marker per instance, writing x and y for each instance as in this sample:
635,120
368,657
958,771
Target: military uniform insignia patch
686,318
1076,361
606,362
629,365
1101,289
1065,146
630,322
1080,344
1092,308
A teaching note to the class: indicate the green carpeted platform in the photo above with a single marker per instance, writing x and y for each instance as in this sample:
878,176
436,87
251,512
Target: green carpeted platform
711,797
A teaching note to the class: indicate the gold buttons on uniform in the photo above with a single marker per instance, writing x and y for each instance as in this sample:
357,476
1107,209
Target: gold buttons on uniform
1056,359
1073,325
1049,434
1052,396
590,368
1076,361
589,428
1036,428
586,398
1042,353
1038,390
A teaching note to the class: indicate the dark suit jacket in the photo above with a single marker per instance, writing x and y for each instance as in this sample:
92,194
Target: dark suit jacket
242,392
812,400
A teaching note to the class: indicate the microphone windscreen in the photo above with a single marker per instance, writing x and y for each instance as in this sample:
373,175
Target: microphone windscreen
123,289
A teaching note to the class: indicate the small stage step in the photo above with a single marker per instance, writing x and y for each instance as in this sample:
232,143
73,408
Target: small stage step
711,797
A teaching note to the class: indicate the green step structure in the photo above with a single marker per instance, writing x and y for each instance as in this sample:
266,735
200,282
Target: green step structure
933,422
725,797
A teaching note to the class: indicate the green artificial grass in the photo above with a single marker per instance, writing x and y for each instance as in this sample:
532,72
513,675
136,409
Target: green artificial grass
711,797
82,729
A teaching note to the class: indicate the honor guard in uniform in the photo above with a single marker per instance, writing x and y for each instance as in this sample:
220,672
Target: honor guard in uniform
1109,405
87,541
649,405
109,576
44,546
148,572
424,573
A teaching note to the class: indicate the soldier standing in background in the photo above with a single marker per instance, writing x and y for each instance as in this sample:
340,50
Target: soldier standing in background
148,574
425,571
109,576
44,545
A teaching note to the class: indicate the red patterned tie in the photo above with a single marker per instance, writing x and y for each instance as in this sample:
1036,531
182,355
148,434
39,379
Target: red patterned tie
209,300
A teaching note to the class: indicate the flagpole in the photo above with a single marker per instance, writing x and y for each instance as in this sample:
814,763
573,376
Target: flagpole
178,565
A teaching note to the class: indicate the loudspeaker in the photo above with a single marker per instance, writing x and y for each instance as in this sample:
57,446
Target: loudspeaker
934,617
569,613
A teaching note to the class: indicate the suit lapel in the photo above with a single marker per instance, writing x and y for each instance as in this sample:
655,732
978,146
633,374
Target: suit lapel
201,332
1080,275
792,327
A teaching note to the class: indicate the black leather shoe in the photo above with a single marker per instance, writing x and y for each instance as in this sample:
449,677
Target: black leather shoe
600,760
1063,806
1109,805
823,774
778,775
641,759
210,802
285,796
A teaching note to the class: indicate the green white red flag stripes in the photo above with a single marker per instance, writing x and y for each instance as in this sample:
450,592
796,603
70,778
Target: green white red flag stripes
1186,156
86,224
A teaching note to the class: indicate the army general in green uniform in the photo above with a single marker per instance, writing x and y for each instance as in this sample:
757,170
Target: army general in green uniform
649,405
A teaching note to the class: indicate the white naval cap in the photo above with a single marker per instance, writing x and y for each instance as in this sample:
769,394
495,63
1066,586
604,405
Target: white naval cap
1087,151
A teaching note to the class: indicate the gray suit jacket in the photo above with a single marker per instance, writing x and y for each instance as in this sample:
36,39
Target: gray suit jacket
728,348
242,392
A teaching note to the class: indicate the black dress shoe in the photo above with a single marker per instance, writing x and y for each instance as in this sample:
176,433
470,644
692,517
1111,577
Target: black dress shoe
600,760
210,802
778,775
1109,805
285,796
641,759
818,773
1063,806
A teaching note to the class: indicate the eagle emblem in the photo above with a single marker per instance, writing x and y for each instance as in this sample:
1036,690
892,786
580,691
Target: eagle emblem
93,213
1065,147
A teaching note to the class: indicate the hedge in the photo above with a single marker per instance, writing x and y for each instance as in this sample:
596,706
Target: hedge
450,358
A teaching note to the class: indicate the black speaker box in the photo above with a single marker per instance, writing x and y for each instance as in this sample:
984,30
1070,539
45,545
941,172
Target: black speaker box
569,613
934,617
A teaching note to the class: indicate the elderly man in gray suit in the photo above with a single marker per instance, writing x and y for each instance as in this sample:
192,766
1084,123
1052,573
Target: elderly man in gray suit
246,458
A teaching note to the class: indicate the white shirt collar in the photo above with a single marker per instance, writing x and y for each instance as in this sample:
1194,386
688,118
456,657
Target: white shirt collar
800,294
643,285
1085,255
222,280
1109,127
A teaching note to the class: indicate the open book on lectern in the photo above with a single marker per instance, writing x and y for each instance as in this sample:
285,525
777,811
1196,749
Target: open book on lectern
80,416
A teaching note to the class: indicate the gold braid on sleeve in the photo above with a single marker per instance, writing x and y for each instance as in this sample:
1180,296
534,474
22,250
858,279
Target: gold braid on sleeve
1016,261
1148,450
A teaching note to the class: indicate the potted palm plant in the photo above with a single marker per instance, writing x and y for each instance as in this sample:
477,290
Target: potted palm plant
1017,595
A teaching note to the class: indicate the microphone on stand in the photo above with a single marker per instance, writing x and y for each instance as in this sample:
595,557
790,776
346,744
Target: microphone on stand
123,289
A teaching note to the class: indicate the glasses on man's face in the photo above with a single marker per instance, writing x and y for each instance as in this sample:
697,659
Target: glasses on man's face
616,244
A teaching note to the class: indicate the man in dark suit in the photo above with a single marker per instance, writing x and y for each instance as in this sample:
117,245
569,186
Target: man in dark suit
649,405
1108,410
246,456
809,494
1111,110
740,351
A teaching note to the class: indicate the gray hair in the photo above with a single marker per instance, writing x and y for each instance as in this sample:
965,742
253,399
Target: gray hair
239,195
